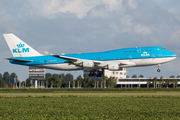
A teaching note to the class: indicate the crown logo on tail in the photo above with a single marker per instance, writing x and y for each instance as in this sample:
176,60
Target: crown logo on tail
20,49
20,45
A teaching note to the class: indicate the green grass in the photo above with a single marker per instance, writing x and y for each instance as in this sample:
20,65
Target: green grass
90,104
89,90
93,93
86,107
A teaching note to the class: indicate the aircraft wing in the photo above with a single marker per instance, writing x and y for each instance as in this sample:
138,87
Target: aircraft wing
62,57
76,60
66,58
71,59
97,64
19,60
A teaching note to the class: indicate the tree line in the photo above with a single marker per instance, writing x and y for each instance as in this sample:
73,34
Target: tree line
141,76
62,80
6,80
159,83
58,80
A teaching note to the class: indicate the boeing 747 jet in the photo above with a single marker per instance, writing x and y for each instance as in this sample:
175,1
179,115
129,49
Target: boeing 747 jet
113,60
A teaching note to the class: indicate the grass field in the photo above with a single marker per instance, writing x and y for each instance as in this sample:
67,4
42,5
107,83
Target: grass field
89,104
90,90
90,107
93,93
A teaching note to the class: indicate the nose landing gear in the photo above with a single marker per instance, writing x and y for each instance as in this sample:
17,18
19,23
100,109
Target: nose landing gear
158,70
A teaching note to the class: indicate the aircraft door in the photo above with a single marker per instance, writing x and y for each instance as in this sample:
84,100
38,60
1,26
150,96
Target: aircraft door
138,50
153,56
100,58
130,57
41,62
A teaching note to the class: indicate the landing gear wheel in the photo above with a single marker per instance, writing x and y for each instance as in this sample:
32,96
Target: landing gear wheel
158,70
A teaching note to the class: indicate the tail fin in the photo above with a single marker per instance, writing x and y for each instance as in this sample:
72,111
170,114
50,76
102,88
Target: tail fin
19,48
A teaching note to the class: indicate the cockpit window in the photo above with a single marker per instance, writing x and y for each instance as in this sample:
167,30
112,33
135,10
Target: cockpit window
162,48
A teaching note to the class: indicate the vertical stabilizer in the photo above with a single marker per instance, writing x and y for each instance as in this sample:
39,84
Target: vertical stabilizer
19,48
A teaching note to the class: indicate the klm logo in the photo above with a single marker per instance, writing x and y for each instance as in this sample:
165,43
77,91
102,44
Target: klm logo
145,54
20,49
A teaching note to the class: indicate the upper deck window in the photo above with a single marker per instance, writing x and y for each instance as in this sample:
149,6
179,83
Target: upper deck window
146,50
162,48
131,51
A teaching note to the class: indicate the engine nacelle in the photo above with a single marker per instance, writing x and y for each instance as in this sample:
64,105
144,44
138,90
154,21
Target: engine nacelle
88,64
113,67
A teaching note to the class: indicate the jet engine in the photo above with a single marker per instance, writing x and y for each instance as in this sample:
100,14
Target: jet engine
113,67
88,64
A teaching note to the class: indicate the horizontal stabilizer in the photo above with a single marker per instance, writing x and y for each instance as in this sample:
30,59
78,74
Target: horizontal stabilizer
19,60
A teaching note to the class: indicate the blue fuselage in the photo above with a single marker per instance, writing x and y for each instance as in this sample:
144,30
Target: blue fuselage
119,54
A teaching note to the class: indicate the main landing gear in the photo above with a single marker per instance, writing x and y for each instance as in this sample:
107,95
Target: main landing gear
97,73
158,70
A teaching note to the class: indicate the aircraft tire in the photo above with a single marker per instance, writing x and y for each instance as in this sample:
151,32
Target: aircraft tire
158,70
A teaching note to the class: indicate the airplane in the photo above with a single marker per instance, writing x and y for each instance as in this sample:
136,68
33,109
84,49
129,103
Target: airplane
113,60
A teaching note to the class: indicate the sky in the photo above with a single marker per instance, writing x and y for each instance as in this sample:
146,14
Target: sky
79,26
